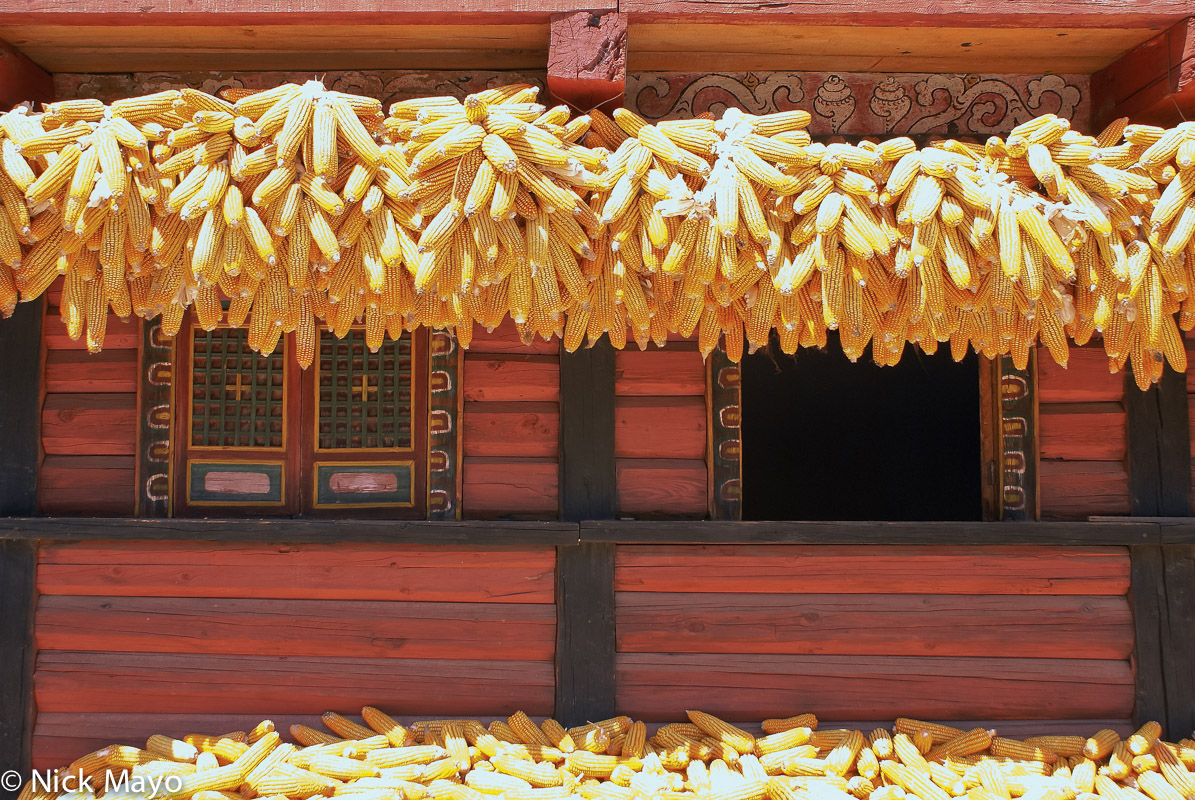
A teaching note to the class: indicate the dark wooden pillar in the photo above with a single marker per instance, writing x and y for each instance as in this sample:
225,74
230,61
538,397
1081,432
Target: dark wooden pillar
586,69
585,626
20,457
18,567
1163,577
20,408
1159,447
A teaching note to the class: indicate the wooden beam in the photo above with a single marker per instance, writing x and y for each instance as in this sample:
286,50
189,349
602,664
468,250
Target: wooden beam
1154,82
293,531
1017,439
155,415
231,13
1147,593
1159,447
1178,638
444,413
585,633
588,471
944,13
724,401
20,408
587,59
21,79
1129,533
18,575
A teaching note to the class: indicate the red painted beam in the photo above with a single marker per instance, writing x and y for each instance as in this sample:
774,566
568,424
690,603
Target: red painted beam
1154,82
216,13
587,59
941,13
21,79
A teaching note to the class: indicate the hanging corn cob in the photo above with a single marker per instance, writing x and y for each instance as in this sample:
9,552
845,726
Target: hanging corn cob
299,203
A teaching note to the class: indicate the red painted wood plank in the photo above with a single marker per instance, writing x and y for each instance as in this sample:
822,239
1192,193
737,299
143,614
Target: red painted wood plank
947,13
120,335
350,629
857,569
661,487
738,687
1086,379
89,424
86,485
496,487
505,339
1154,82
660,427
658,373
1038,626
61,737
1079,489
511,430
226,12
303,572
145,682
78,371
21,79
506,378
1082,436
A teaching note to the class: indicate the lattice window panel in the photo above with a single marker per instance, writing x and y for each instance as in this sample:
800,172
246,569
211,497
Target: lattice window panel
237,396
365,399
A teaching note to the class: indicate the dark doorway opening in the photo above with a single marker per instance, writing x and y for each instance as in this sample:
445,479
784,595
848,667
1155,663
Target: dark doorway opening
825,439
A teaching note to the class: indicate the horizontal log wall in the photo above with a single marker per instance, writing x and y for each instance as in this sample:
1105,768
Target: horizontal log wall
661,436
510,426
1082,437
853,633
179,637
89,419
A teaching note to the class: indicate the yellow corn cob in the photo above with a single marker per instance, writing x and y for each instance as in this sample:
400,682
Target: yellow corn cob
1143,740
556,734
975,740
1099,746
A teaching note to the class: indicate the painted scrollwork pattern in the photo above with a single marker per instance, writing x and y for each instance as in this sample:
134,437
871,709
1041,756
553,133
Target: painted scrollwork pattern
867,103
388,85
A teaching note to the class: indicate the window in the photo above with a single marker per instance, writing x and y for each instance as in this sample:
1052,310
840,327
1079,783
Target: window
348,436
825,439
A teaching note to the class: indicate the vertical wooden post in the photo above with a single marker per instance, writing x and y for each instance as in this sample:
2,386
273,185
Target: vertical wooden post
21,393
444,400
18,565
1159,447
725,402
1163,586
1147,593
1178,638
155,367
20,408
586,68
585,572
1017,439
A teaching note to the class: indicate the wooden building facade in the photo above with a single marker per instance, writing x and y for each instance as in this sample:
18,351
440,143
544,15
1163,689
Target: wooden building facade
198,535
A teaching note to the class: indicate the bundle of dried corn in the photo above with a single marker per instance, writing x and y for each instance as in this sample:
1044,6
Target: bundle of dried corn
614,759
300,204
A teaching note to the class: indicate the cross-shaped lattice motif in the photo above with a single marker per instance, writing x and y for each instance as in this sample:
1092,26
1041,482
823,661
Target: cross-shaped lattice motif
366,388
238,388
